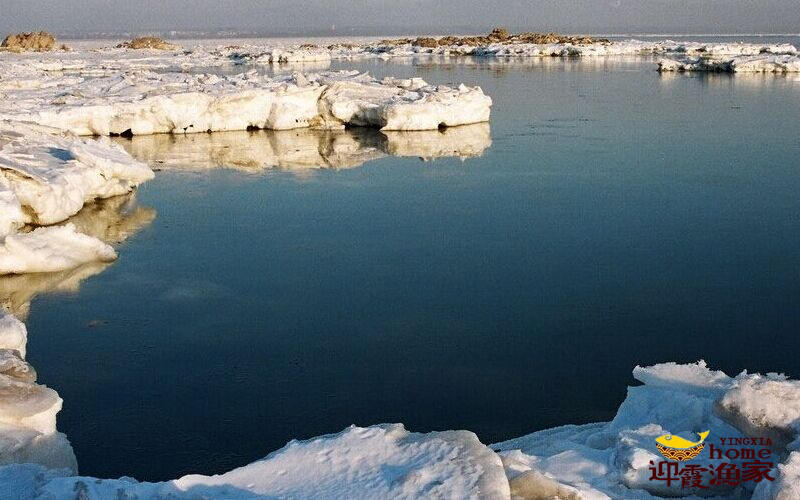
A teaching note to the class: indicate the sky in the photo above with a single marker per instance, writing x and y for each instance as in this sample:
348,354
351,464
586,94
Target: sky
400,16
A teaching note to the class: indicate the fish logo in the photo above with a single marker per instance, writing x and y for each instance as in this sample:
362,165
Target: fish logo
677,448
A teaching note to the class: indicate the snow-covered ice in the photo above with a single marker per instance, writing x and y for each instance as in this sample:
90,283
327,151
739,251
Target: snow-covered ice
49,175
51,249
146,102
764,63
46,176
27,410
612,460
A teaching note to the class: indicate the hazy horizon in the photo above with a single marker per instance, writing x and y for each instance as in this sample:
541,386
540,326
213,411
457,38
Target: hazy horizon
365,17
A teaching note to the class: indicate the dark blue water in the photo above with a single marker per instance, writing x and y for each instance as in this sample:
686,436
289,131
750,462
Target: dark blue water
619,218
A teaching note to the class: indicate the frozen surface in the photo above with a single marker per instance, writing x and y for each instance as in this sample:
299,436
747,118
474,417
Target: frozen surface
593,461
763,63
51,249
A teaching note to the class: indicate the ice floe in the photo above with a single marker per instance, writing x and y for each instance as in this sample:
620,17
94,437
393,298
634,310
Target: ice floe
146,102
764,63
51,249
51,174
47,176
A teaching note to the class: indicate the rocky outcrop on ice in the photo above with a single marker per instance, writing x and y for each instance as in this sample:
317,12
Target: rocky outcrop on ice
143,102
303,149
148,42
764,63
21,42
47,176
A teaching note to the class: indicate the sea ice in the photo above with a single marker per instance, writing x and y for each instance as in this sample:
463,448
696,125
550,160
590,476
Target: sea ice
51,249
384,461
27,410
50,175
764,63
592,461
145,102
47,176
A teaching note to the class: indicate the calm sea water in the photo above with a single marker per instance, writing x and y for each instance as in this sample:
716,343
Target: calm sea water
620,217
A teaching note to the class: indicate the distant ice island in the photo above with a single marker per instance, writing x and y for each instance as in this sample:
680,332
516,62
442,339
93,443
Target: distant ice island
52,95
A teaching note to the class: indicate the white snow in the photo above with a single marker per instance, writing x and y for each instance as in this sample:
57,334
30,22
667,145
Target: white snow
13,334
384,461
765,63
27,410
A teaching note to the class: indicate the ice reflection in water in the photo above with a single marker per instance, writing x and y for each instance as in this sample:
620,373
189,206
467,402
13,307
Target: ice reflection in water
303,149
112,221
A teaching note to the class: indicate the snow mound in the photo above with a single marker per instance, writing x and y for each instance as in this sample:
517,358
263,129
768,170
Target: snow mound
764,63
145,102
384,461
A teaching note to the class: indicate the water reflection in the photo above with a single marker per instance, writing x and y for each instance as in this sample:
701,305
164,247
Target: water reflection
112,221
304,149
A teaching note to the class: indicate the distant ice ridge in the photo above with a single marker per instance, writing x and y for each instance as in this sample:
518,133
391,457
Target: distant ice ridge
47,176
145,102
594,461
764,63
